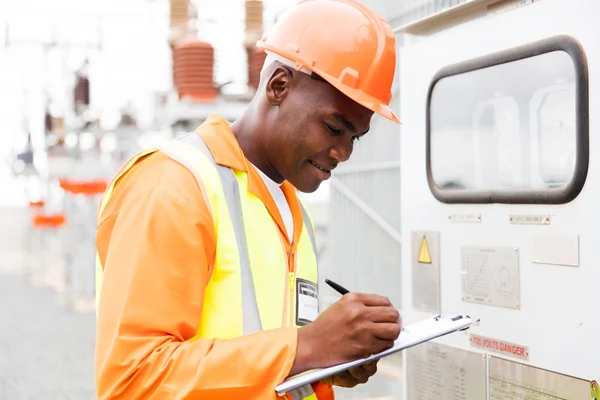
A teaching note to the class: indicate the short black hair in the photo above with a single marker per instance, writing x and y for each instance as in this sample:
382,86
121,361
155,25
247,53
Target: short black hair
317,77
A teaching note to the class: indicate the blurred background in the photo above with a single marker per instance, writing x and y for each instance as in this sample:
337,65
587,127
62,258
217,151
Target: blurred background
85,84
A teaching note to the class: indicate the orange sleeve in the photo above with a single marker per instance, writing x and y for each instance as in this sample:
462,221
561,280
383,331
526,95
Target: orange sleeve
155,239
323,391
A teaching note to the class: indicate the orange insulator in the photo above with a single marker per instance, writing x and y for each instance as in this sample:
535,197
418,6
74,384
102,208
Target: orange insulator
85,187
49,220
64,184
193,69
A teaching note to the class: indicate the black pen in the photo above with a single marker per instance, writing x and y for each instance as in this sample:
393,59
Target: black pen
341,290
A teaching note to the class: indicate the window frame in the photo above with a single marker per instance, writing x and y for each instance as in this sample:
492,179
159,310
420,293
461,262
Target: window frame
560,195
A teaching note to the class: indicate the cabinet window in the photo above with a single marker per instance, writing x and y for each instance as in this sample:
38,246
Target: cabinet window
511,127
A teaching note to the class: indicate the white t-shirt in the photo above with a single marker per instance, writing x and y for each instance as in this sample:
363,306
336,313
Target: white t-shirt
280,201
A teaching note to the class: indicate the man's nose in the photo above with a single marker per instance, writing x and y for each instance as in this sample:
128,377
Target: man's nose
342,150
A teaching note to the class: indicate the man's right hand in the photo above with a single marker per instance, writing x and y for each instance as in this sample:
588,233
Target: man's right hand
356,326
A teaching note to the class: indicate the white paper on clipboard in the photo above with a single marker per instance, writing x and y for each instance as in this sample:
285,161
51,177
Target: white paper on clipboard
411,335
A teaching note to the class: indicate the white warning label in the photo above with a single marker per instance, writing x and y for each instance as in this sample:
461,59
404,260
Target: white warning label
490,275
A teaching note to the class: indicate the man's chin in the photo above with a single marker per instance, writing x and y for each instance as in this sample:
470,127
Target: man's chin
307,187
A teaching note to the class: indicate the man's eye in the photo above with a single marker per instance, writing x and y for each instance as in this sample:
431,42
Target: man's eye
357,138
333,130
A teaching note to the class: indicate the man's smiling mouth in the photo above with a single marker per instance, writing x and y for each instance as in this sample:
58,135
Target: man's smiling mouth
318,166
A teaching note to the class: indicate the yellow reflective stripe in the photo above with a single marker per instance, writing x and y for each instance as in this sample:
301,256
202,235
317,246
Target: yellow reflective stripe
231,189
222,310
268,258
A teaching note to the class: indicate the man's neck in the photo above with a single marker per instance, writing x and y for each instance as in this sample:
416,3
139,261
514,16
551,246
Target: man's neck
248,130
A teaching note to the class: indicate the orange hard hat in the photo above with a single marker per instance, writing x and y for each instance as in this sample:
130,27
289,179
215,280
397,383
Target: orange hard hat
345,43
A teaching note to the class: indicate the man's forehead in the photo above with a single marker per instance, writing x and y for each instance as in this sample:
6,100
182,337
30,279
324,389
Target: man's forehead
333,102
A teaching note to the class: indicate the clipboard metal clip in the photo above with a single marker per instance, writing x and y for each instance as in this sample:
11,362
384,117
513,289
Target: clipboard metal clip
474,323
456,318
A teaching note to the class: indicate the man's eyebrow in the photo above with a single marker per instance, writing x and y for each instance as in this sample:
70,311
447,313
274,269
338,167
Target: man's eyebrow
349,125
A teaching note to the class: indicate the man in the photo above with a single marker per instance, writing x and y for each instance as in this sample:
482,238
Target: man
207,272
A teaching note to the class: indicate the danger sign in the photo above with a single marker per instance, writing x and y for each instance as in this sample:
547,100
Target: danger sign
500,347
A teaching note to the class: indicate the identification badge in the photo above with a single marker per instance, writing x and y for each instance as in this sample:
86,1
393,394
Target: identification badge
307,302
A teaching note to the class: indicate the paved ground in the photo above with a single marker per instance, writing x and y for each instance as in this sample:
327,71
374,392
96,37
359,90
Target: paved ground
46,348
46,351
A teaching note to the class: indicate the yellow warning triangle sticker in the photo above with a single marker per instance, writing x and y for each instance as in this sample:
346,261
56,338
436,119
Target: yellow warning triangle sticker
424,256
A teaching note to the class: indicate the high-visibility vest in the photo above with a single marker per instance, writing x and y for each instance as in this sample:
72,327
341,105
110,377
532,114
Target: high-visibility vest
253,286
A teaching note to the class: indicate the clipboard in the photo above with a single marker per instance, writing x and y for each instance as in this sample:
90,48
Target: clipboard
411,335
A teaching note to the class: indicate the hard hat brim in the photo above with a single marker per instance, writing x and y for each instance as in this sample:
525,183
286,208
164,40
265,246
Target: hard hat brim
361,98
358,96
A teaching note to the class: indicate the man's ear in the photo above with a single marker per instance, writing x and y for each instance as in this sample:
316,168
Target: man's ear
278,85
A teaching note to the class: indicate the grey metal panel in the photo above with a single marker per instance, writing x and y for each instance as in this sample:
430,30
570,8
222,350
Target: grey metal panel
380,190
409,10
382,143
361,256
412,10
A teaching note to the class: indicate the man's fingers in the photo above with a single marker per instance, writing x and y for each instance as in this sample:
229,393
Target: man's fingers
384,314
371,300
345,379
353,376
364,372
386,331
371,367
